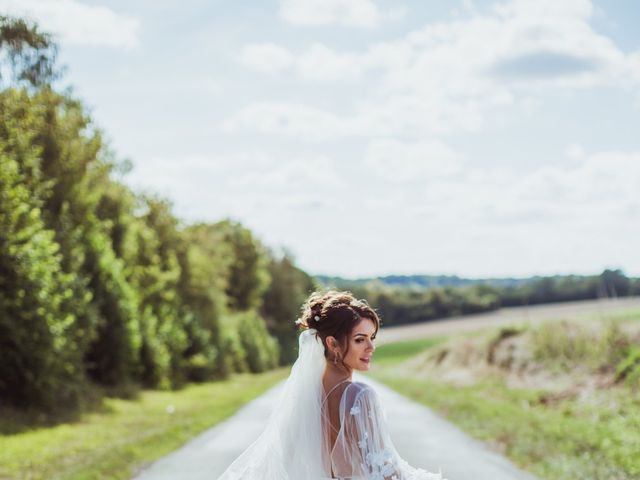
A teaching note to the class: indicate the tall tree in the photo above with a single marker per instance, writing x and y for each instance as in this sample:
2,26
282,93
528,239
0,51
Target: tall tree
40,363
28,56
248,275
281,304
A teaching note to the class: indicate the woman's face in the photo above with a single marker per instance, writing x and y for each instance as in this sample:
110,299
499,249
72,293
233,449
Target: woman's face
361,346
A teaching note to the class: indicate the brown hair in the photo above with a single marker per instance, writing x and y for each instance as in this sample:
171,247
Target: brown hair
335,314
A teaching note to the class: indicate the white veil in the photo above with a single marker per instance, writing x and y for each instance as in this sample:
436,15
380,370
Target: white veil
291,446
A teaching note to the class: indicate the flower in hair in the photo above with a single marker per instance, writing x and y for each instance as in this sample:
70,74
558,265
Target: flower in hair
316,318
298,321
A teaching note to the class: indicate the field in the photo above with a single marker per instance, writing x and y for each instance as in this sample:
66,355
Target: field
559,398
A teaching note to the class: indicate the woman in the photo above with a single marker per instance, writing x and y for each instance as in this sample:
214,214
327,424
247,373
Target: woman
327,426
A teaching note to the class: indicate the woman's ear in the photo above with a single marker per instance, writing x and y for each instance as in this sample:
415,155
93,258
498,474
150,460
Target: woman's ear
331,342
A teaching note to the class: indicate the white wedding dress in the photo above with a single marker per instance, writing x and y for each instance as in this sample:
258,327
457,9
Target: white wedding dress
363,448
303,442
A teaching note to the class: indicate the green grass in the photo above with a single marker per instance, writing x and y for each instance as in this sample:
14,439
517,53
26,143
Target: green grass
571,441
631,315
398,351
128,434
566,440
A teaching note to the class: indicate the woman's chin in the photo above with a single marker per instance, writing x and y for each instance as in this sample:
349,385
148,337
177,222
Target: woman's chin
363,366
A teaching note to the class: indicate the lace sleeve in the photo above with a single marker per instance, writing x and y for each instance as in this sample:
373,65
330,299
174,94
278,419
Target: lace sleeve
372,447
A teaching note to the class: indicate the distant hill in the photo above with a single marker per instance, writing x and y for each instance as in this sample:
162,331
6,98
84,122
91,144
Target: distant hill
424,281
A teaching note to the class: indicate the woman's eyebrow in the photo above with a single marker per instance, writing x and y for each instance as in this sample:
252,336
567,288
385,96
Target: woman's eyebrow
363,334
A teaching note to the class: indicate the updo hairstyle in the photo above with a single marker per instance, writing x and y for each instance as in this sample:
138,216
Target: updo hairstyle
335,314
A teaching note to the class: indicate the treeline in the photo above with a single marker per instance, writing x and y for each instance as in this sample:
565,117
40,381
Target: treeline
103,285
402,304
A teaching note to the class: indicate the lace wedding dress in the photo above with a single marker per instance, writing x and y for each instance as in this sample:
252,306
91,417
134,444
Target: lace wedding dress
363,448
303,442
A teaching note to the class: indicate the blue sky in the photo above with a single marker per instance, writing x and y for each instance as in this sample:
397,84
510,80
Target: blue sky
476,138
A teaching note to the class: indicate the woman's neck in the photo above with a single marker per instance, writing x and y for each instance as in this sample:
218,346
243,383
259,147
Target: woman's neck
334,374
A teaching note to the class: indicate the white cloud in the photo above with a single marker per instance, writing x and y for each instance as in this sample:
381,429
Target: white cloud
397,161
350,13
77,23
450,76
568,217
241,182
590,192
575,151
289,119
320,63
266,57
316,63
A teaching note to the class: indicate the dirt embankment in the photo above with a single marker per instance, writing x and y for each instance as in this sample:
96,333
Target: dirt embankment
567,359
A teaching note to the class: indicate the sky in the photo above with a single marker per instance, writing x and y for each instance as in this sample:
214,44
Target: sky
374,137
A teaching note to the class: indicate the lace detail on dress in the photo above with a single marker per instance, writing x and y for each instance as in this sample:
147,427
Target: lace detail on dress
375,454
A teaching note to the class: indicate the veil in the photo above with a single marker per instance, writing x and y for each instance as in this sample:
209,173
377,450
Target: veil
291,447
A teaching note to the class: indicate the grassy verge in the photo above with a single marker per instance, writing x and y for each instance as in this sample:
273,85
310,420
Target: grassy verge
129,434
573,438
631,315
393,353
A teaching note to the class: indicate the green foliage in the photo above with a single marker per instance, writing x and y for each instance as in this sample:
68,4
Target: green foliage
40,365
281,303
204,262
262,350
569,345
112,356
30,54
149,244
248,275
99,283
628,370
398,305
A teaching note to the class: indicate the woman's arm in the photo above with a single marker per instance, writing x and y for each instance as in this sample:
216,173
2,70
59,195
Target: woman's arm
371,445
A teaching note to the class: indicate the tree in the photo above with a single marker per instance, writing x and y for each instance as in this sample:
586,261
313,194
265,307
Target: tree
248,275
40,364
26,54
288,289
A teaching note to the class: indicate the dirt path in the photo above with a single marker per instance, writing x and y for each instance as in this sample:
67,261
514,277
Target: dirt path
508,316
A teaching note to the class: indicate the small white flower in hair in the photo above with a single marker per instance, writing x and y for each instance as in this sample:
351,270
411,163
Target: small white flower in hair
298,321
316,318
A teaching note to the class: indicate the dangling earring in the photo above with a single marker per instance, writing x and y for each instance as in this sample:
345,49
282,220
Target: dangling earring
335,359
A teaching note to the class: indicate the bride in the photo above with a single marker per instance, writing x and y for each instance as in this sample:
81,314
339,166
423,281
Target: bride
326,425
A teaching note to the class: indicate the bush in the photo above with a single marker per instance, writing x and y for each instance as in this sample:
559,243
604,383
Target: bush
261,349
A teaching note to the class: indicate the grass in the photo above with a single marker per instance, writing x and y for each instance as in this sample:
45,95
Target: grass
128,434
631,315
573,438
571,441
391,353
